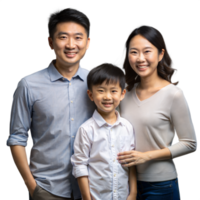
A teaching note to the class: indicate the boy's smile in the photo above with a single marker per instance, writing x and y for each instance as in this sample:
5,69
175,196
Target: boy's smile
107,97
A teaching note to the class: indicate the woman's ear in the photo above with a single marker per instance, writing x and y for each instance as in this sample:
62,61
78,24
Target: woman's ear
160,57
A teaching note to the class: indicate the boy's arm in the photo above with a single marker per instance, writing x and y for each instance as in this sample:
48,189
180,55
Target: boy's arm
84,187
132,183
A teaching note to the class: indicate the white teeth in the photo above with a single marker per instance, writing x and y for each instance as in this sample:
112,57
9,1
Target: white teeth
141,67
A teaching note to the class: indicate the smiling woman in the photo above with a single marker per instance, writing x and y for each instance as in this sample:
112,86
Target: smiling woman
156,108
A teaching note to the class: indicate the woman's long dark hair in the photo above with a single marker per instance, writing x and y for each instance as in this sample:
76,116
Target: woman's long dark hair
164,68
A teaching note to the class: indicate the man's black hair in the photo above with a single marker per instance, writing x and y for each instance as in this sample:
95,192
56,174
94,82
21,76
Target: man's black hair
70,14
106,72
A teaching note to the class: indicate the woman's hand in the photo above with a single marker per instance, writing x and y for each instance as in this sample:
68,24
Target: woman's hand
130,158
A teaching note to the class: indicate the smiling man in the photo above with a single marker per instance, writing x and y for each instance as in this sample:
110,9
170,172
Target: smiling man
53,103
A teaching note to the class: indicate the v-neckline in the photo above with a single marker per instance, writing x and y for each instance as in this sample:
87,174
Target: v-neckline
139,102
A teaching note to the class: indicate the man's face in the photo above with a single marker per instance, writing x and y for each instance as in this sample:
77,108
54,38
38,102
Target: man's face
70,43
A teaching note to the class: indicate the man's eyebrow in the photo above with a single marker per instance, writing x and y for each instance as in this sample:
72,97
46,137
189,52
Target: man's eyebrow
65,33
133,48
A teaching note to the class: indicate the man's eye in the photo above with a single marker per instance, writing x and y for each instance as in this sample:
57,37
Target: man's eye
147,51
78,38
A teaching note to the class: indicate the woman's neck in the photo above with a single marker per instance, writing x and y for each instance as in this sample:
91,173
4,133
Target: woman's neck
150,81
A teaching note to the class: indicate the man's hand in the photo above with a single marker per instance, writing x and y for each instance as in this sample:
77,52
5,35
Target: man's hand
31,187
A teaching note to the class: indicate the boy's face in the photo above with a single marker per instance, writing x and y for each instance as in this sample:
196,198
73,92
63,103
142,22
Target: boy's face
70,43
106,96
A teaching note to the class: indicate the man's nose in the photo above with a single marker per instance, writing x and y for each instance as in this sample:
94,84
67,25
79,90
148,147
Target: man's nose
70,43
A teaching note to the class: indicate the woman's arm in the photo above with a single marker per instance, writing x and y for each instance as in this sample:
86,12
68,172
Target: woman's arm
84,187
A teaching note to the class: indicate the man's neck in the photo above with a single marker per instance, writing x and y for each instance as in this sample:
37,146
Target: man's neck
67,71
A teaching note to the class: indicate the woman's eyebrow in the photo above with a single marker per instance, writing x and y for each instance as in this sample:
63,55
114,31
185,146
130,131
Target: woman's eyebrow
133,48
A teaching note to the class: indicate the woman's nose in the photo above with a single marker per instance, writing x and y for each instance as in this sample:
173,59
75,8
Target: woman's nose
141,57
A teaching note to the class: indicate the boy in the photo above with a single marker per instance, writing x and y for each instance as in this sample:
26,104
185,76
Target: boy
101,138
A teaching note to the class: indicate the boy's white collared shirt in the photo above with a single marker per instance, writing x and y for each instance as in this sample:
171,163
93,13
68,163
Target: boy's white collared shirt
96,147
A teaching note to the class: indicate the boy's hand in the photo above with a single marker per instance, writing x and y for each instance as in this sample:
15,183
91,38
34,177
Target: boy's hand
131,197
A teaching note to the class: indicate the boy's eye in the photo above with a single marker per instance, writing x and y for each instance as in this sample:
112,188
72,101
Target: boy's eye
114,91
100,90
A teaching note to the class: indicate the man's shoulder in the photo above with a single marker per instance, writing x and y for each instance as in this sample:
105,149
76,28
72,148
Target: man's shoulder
36,75
84,72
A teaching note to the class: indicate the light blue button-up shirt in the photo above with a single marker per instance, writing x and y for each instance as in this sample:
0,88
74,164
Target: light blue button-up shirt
53,108
95,155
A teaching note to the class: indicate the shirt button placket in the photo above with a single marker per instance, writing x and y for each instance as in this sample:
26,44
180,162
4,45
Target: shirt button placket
115,167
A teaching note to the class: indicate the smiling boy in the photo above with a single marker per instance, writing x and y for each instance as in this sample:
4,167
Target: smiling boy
99,140
53,103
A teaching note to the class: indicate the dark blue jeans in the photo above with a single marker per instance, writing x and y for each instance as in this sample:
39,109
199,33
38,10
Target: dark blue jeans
165,190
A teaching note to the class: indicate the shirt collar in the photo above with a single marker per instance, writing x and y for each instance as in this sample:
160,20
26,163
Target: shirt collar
101,121
55,75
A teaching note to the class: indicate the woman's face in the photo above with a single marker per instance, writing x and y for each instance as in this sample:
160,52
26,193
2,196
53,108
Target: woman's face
143,56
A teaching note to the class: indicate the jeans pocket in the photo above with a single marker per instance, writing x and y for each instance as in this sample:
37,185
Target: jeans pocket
163,184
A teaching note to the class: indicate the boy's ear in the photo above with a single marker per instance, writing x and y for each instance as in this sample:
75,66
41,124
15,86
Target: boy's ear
90,95
123,94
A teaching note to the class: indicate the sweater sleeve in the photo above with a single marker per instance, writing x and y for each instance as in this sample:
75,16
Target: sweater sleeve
182,123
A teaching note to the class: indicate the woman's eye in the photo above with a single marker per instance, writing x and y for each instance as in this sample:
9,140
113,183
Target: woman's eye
133,52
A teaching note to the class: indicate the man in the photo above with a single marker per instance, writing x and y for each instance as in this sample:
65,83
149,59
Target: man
53,103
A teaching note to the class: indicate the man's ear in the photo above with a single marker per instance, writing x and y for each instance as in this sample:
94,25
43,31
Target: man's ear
90,95
50,42
89,43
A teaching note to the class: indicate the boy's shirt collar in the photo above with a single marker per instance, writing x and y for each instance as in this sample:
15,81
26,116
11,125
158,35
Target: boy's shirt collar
101,121
55,75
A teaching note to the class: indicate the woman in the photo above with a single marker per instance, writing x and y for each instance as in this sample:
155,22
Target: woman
156,108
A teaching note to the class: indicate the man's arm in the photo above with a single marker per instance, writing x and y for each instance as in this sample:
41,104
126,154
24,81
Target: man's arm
19,156
132,183
84,187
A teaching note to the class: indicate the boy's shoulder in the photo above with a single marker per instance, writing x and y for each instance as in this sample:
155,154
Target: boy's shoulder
126,123
87,124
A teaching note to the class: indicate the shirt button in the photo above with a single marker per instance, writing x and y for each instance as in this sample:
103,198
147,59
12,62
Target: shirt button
114,160
72,136
112,145
63,79
114,175
114,190
69,83
72,119
71,101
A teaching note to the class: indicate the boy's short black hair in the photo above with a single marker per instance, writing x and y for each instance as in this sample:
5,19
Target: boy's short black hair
106,72
68,15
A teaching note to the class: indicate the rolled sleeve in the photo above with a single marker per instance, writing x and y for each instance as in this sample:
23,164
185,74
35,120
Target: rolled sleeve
20,115
183,125
80,159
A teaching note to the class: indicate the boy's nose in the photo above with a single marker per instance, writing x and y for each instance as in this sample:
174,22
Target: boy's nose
107,96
